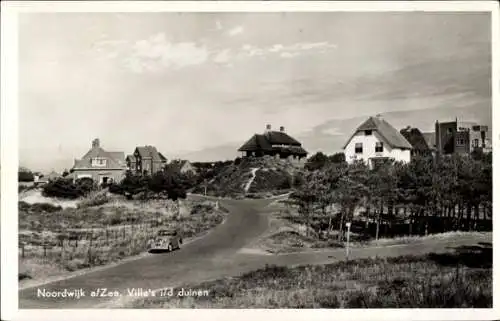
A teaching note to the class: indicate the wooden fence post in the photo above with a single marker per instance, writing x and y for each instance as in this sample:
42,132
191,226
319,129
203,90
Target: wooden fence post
22,250
44,250
62,248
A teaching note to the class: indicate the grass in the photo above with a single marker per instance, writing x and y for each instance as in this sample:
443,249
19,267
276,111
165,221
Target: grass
272,178
454,280
102,244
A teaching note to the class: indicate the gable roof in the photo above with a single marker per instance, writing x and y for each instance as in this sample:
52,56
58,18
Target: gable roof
150,152
430,138
115,159
130,158
393,137
415,137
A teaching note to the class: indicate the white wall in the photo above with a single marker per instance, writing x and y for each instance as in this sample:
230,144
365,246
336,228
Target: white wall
369,148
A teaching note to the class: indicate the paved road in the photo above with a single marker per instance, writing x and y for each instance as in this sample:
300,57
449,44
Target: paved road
210,257
244,223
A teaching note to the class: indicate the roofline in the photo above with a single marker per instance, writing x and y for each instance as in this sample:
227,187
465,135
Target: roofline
385,139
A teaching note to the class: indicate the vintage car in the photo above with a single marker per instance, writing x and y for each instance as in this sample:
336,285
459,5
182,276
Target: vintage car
165,240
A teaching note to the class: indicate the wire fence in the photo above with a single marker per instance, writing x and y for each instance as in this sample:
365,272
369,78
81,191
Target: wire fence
86,243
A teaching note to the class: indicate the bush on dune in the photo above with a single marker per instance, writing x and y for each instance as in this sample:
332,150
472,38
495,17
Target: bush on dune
66,188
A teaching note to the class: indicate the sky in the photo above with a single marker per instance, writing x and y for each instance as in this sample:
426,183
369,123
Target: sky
198,85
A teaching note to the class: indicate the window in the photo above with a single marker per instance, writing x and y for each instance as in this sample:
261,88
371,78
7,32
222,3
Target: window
379,147
368,132
358,148
98,162
460,141
476,142
450,130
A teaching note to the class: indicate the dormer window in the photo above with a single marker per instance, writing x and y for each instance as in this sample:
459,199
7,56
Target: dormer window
98,162
368,132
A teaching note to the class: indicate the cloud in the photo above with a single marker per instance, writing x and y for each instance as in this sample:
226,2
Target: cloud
235,31
218,25
288,51
288,55
222,56
156,53
334,131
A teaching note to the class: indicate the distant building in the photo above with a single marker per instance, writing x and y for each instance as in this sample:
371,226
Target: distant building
146,160
377,140
183,166
100,165
273,143
40,179
459,137
414,136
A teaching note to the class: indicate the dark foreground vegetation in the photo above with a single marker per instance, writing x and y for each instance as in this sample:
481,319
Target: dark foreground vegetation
459,279
427,195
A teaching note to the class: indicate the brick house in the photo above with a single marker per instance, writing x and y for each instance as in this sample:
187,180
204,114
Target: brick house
146,160
460,137
100,165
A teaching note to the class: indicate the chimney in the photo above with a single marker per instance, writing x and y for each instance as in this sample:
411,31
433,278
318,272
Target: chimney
282,128
268,127
95,143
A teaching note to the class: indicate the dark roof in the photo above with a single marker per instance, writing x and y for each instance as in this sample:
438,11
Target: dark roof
264,142
392,136
130,158
415,138
430,138
150,152
280,138
255,143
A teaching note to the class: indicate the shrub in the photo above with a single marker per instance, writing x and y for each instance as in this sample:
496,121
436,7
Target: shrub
25,176
38,207
95,200
75,264
115,189
65,188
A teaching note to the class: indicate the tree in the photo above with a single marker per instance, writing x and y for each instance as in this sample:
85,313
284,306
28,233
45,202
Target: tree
337,158
316,161
382,182
25,175
350,191
306,197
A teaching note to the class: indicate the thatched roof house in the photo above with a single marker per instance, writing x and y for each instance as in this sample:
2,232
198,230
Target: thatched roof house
273,143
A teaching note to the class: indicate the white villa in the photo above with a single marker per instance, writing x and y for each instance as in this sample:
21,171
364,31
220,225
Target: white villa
376,139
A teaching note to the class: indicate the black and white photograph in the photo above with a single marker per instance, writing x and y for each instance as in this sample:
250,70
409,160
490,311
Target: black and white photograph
239,159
